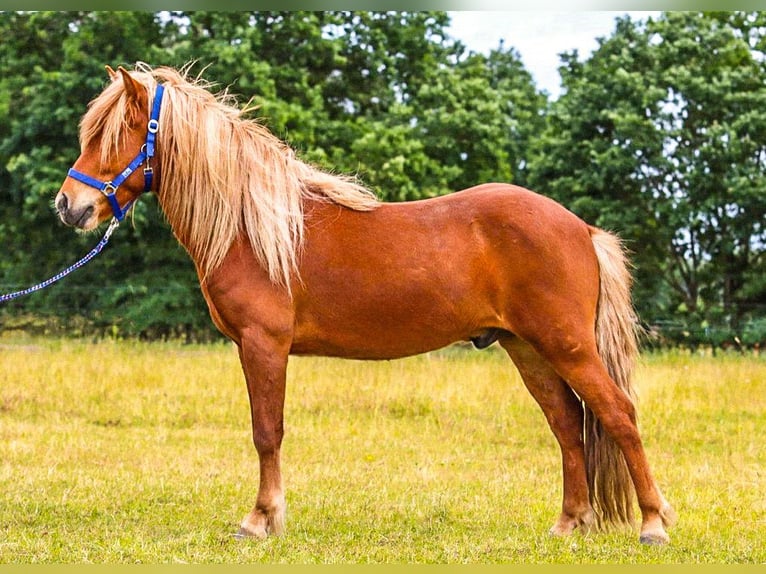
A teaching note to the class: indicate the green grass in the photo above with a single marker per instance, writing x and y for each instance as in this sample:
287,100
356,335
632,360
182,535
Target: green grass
129,452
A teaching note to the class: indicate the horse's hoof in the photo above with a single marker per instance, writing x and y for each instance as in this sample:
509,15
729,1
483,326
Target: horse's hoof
246,534
654,539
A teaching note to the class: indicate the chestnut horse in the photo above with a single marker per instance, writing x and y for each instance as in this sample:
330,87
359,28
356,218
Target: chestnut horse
294,260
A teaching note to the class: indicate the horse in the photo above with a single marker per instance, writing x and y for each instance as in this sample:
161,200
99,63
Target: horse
295,260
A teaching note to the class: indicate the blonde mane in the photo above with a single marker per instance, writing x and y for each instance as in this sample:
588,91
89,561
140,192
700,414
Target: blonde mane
221,173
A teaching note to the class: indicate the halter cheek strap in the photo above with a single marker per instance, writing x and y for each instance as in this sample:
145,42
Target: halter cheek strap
145,154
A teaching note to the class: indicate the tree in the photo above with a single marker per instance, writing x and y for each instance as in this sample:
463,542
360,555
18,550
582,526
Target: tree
480,115
385,95
659,135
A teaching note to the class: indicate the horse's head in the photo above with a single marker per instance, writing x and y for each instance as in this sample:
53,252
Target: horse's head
117,139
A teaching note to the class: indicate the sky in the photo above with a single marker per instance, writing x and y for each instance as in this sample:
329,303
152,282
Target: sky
539,37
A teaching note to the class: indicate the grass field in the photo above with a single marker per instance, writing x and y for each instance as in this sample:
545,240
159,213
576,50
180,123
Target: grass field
123,452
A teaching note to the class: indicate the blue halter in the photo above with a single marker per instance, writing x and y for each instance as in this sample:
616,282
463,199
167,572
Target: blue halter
109,188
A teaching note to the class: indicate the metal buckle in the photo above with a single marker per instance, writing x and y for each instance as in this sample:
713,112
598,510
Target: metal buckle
107,186
153,126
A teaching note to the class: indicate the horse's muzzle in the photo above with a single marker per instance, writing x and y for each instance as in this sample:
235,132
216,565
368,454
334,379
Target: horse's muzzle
73,217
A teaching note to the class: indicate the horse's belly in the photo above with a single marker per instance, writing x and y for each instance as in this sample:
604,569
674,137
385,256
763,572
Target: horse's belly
372,348
381,333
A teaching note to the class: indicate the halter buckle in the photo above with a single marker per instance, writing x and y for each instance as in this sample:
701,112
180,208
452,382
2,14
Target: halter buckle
107,187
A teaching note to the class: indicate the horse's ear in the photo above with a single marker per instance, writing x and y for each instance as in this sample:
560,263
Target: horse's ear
112,74
132,87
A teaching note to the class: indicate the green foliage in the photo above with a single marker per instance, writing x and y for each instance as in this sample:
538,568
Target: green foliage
660,135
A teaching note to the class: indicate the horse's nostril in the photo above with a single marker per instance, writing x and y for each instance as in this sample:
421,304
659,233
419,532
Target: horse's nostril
62,204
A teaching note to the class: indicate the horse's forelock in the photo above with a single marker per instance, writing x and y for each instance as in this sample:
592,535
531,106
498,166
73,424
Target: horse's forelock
107,118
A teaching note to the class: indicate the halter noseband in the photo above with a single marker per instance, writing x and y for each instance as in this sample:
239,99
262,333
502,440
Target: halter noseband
146,153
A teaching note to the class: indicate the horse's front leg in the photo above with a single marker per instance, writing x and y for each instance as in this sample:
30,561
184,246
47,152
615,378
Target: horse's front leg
264,362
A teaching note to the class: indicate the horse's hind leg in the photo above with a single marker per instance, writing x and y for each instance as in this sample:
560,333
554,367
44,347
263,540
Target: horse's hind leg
564,414
576,359
264,362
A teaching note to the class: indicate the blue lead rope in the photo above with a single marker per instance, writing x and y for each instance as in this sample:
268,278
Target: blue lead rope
93,252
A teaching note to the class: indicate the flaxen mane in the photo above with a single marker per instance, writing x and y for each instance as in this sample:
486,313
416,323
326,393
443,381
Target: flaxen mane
222,174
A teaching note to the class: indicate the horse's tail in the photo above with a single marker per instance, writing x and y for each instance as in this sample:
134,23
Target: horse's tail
611,488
